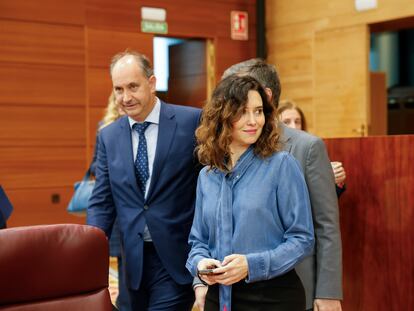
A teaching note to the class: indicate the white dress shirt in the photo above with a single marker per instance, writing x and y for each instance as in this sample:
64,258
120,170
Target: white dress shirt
151,136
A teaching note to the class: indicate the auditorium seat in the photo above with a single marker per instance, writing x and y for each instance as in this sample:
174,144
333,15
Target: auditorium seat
54,267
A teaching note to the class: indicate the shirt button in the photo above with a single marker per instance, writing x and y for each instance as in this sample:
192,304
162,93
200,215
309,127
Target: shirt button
146,207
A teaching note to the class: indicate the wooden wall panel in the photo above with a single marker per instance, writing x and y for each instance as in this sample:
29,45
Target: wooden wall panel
36,167
99,86
103,44
387,10
377,222
113,15
337,13
294,33
229,52
52,11
378,104
207,21
296,11
50,127
35,207
298,87
41,43
25,84
186,18
292,54
340,98
293,49
190,18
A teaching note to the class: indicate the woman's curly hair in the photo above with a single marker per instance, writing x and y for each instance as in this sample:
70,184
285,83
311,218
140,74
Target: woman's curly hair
227,104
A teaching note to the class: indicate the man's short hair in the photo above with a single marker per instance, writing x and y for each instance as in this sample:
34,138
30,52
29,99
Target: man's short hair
263,72
141,60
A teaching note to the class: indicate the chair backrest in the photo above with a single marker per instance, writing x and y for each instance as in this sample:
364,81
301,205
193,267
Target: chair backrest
54,267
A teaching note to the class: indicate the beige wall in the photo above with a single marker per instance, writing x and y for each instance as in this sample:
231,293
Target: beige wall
321,50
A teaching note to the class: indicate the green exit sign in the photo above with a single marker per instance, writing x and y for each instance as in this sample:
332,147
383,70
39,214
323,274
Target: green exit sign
154,27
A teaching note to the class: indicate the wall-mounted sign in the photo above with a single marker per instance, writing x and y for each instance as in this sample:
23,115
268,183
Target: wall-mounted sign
239,25
154,27
363,5
153,14
153,20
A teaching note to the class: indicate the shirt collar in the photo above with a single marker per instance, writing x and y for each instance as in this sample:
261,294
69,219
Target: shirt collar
153,117
244,161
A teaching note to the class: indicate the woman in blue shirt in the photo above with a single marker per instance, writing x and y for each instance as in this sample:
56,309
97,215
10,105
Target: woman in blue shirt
252,222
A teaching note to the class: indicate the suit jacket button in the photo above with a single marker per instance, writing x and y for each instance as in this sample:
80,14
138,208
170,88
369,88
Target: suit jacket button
146,207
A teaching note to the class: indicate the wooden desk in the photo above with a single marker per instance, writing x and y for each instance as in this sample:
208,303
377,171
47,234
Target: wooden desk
377,221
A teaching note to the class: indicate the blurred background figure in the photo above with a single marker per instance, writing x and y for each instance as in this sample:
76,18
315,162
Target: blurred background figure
5,208
112,113
291,115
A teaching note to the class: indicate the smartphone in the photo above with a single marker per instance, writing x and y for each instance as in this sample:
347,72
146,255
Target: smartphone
209,271
206,271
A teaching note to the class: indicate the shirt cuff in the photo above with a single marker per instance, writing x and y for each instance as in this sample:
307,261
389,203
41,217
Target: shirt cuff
198,285
257,268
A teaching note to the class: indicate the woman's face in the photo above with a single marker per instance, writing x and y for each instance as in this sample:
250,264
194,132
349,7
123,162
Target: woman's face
291,118
248,128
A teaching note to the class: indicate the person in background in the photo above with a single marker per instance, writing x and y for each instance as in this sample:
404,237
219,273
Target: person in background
146,177
5,208
253,221
112,113
321,272
291,115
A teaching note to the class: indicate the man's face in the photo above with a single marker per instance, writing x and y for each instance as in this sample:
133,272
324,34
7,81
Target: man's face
134,92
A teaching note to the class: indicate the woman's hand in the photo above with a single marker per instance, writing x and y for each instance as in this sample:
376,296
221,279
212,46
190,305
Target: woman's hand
208,263
233,269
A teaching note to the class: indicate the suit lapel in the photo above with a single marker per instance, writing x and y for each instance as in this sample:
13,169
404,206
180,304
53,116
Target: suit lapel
166,132
125,147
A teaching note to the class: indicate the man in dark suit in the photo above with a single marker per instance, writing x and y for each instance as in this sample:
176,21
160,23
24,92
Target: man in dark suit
146,176
321,272
5,208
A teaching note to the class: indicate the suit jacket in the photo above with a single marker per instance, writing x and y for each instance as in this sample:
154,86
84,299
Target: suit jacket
321,273
5,208
169,207
115,240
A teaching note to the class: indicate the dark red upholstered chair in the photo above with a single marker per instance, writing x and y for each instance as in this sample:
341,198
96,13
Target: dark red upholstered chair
54,267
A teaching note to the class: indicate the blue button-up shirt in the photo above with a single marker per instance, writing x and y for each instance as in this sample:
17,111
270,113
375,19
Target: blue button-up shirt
260,209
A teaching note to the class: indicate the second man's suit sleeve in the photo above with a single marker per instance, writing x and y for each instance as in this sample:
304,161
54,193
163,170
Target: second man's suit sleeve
321,184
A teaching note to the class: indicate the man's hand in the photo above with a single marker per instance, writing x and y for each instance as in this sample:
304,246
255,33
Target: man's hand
200,296
327,305
339,172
